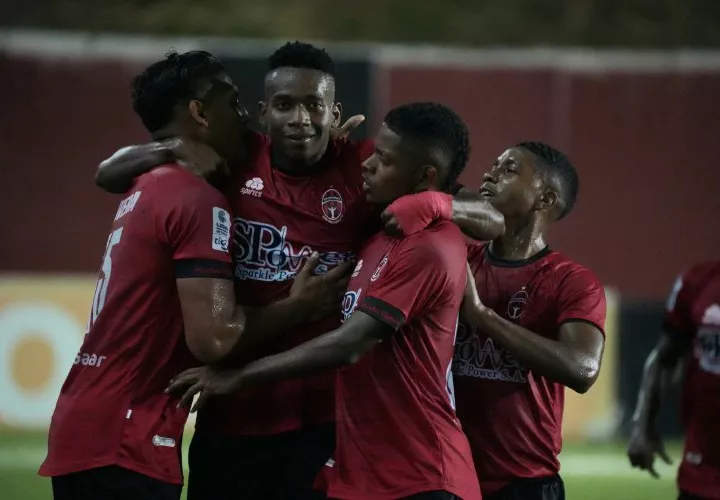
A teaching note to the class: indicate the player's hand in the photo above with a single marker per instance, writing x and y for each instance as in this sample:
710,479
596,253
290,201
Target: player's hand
204,380
472,305
412,213
199,158
321,295
643,447
344,130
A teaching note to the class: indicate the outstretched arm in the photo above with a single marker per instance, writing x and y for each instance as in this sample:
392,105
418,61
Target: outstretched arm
116,174
472,213
475,216
341,347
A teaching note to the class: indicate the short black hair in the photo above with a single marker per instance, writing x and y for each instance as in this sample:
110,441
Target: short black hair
302,55
557,166
164,84
436,126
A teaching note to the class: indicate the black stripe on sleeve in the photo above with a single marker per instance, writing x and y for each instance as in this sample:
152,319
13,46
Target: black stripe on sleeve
382,311
203,268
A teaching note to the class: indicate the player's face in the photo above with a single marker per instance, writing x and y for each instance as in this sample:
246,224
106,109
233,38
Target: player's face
226,118
511,184
298,112
394,169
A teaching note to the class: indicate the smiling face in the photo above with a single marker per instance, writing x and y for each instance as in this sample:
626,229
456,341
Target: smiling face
298,111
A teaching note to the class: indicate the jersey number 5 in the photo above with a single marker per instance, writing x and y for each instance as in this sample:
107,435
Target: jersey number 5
103,278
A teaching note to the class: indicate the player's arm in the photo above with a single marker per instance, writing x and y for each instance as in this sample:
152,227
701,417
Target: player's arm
401,291
645,440
472,213
116,174
573,359
475,216
341,347
217,329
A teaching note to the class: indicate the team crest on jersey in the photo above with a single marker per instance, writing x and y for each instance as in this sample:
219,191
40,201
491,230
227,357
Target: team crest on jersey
518,304
332,206
379,269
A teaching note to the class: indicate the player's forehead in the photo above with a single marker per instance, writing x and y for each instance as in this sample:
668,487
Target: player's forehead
516,155
299,83
387,141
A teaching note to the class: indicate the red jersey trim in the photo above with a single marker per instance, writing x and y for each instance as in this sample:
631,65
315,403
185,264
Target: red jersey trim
382,311
203,268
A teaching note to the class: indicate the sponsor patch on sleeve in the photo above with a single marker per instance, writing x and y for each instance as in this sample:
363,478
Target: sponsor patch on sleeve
221,230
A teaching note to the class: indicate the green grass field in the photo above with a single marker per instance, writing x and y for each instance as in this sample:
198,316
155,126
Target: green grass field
591,472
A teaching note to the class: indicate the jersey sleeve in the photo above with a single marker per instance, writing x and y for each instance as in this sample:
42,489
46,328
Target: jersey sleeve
678,308
196,224
581,297
405,282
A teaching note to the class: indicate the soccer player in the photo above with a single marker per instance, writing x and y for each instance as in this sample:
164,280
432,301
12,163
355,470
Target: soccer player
533,326
300,190
397,433
692,333
164,300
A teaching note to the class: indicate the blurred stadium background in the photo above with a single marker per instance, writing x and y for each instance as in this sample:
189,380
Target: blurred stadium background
629,89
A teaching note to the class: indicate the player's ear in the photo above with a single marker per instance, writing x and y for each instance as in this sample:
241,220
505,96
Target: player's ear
337,114
197,113
262,114
547,200
428,179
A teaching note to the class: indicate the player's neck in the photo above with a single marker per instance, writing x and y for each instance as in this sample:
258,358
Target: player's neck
520,240
300,168
172,131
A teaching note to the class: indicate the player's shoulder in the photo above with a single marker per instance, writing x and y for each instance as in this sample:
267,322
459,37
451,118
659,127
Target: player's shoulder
702,271
439,241
567,271
174,182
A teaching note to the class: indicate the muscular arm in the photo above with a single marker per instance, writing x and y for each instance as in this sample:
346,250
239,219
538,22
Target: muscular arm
335,349
216,329
475,216
659,367
572,360
116,173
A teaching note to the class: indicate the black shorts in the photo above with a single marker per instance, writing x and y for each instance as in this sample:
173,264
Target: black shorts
278,467
543,488
433,495
689,496
112,483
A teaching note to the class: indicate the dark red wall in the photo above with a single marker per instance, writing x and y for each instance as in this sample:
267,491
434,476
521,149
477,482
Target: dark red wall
644,145
60,118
